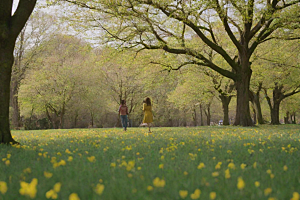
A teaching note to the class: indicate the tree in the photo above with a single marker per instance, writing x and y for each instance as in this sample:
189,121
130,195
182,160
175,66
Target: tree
168,25
10,27
36,30
57,77
282,78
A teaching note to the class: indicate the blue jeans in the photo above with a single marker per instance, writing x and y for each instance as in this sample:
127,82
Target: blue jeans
124,120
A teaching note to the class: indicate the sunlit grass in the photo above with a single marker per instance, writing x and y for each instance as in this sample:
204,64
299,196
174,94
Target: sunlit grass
170,163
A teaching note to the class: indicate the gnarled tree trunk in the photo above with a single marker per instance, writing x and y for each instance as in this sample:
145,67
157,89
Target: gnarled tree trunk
243,116
10,27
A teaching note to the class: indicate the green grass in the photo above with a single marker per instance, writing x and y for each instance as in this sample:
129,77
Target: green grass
183,149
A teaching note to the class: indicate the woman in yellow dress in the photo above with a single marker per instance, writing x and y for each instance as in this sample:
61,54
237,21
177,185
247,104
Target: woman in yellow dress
148,116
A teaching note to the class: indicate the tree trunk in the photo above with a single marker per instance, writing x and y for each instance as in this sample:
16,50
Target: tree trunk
243,116
14,101
10,27
207,113
254,98
254,115
201,115
275,113
286,118
6,62
195,116
225,104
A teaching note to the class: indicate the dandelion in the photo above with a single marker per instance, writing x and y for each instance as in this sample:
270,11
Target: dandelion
296,196
74,196
218,166
231,165
254,165
185,173
269,171
7,162
243,166
267,191
51,194
113,164
3,187
130,165
196,194
139,168
241,183
212,195
47,174
183,193
285,168
215,174
27,170
149,188
257,184
161,166
99,189
70,158
91,159
29,189
201,165
57,187
227,173
157,182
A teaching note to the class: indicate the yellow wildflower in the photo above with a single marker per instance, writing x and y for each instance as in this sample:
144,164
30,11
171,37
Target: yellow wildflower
99,189
201,165
218,166
285,168
91,159
215,174
267,191
161,166
27,170
183,193
196,194
185,173
243,166
269,171
74,196
70,158
254,165
3,187
257,184
241,183
157,182
47,174
149,188
296,196
29,189
227,173
212,195
51,194
231,165
7,162
113,164
57,187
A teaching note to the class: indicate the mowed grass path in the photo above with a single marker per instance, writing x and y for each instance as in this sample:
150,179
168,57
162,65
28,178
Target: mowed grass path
228,163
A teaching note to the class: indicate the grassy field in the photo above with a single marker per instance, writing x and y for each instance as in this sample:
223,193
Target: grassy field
228,163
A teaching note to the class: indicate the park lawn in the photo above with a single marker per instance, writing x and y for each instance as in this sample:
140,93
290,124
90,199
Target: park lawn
228,163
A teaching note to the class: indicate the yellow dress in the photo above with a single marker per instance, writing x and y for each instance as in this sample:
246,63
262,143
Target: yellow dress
148,117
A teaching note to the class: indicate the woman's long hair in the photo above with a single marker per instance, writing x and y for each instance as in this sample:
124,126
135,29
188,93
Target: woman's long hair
148,101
